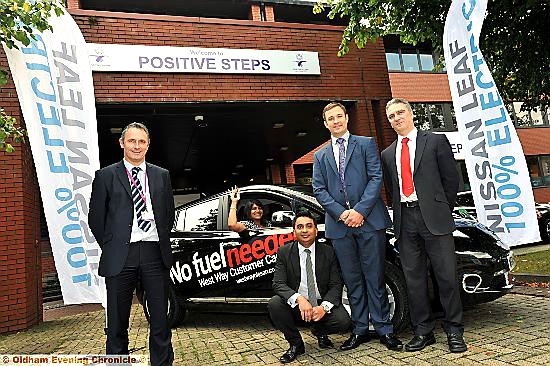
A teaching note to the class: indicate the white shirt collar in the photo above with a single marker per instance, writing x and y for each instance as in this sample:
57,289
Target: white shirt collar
411,135
129,165
301,248
344,136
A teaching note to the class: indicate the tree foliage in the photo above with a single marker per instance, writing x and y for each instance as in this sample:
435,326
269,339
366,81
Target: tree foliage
19,19
514,38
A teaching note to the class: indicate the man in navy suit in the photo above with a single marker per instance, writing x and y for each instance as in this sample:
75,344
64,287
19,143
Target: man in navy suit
131,216
347,179
421,176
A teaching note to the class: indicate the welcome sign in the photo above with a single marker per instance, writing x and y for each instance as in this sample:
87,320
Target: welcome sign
138,58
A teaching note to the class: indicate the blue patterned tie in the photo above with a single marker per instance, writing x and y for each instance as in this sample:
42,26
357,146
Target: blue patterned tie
139,203
342,165
342,158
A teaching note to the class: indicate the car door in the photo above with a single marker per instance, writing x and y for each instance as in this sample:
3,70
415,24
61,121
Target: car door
198,249
251,256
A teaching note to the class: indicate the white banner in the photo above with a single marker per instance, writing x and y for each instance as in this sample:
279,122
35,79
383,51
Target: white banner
494,157
54,84
137,58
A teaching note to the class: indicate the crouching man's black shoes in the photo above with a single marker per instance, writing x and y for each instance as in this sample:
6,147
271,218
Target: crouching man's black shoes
419,342
354,341
293,352
324,341
391,342
456,343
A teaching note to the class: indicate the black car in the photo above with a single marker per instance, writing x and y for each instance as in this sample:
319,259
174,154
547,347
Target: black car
465,202
213,265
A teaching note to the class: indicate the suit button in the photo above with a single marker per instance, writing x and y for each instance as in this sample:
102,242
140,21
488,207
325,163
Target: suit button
130,225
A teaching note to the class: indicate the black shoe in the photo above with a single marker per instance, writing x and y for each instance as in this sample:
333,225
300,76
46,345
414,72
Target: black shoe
293,352
391,342
456,343
420,342
354,341
324,341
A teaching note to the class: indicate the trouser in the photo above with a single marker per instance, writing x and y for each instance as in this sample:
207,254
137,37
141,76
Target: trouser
286,318
361,256
416,245
144,262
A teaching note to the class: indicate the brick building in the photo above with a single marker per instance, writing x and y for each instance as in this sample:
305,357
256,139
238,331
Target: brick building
216,130
251,127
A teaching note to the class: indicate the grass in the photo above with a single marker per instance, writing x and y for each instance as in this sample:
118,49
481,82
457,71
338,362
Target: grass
533,263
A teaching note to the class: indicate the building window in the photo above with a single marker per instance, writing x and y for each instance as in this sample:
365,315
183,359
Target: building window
536,118
410,60
434,116
393,60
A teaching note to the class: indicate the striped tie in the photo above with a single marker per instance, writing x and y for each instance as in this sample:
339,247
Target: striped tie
139,203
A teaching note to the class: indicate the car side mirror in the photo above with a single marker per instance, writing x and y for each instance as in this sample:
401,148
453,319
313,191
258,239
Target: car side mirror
282,218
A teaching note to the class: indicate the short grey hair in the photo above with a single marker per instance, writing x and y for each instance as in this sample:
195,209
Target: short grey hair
137,125
399,101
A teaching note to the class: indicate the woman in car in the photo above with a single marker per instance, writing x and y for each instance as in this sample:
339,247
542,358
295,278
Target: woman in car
254,211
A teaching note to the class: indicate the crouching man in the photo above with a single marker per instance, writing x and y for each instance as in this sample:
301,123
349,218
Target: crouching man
308,289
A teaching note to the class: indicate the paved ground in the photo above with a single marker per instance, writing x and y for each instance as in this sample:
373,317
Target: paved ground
512,330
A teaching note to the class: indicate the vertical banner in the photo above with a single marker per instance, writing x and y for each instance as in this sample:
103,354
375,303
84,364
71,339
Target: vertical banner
54,85
494,157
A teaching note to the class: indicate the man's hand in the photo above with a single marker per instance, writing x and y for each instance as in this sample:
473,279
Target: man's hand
318,313
344,215
306,310
354,219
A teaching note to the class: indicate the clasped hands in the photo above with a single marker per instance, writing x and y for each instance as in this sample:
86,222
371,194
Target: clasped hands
308,312
352,218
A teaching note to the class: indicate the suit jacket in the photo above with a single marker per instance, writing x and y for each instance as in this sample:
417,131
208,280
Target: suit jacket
435,180
287,276
363,179
112,213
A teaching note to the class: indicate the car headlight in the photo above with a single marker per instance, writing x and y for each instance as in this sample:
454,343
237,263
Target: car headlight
511,260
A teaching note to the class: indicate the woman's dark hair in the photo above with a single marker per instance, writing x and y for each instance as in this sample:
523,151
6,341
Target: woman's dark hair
248,209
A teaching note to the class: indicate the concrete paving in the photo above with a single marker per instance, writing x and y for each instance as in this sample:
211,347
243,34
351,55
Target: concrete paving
512,330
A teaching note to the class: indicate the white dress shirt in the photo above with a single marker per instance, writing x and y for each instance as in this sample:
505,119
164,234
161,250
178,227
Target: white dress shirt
302,290
137,233
336,147
412,153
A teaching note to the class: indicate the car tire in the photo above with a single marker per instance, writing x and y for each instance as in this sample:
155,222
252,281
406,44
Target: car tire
177,311
545,229
395,281
397,298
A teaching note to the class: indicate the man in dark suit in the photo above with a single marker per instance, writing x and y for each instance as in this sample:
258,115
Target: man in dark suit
308,287
347,179
421,175
131,216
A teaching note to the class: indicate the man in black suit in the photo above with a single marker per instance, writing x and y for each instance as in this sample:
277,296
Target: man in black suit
131,216
308,288
420,173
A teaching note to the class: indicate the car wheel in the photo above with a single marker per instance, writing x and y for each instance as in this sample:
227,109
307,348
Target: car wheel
397,298
545,229
176,308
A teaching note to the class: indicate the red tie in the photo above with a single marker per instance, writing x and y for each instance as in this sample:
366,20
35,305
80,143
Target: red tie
406,174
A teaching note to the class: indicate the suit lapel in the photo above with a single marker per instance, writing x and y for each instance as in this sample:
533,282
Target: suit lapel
295,263
152,180
393,165
329,154
421,138
123,177
320,267
351,146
